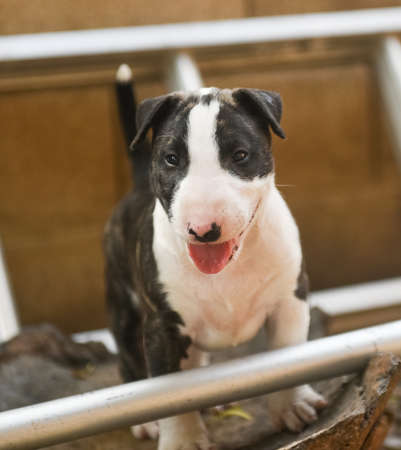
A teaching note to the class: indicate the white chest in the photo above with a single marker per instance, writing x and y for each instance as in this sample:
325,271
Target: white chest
219,314
229,308
219,321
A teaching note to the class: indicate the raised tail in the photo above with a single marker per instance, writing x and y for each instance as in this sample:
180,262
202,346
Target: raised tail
127,105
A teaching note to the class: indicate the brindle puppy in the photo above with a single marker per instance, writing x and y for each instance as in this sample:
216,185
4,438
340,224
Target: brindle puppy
204,251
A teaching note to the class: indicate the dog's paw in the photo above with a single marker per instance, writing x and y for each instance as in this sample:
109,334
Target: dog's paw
148,430
295,408
185,432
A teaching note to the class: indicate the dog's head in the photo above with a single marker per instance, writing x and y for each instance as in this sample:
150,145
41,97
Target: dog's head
211,165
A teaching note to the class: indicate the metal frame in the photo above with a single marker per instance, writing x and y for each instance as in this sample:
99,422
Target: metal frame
133,403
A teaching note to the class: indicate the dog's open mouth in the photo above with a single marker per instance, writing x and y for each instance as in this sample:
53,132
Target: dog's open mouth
212,258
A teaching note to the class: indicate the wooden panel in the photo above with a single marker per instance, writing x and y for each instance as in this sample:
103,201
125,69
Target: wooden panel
263,8
336,171
62,172
33,16
59,280
53,141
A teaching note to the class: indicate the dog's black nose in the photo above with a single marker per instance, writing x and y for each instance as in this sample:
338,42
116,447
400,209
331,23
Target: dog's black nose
210,236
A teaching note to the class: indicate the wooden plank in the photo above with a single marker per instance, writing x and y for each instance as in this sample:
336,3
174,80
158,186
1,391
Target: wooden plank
36,16
263,8
63,170
61,281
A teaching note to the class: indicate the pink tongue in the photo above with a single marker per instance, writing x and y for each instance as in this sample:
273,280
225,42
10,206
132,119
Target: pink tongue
211,258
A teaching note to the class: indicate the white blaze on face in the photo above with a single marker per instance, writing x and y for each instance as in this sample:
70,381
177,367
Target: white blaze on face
202,145
209,194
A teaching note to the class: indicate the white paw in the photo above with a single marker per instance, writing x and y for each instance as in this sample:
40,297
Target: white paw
186,432
148,430
295,408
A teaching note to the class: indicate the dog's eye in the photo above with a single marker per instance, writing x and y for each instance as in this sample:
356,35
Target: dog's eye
240,156
172,159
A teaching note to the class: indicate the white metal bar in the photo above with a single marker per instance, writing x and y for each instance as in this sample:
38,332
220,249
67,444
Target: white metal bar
359,297
367,22
9,326
389,74
183,74
106,409
104,336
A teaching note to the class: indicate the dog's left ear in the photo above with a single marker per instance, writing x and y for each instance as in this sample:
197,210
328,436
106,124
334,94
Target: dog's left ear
148,113
266,104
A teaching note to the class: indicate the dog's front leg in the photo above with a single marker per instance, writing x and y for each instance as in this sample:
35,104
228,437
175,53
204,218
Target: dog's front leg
292,408
167,351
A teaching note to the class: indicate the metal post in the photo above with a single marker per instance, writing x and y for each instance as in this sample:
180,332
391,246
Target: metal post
9,326
182,74
389,74
106,409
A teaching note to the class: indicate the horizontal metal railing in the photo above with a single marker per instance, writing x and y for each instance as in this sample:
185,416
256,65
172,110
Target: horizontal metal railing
106,409
369,22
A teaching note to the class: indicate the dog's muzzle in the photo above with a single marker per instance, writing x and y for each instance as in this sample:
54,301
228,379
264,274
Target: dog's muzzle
209,256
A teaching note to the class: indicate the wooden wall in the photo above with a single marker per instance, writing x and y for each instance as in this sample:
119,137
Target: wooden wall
34,16
63,163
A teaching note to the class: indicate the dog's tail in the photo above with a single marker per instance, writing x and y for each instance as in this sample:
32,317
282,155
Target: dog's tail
127,105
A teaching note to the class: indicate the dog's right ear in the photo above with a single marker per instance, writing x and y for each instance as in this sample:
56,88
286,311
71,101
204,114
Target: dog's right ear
148,113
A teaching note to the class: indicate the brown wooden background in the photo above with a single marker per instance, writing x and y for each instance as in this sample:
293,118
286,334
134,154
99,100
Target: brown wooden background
34,16
63,165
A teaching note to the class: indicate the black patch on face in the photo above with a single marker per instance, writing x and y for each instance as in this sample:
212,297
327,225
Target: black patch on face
170,138
236,132
302,289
